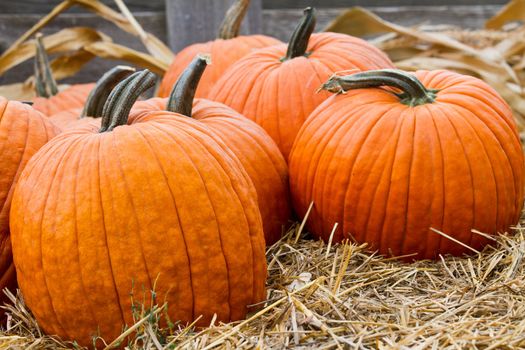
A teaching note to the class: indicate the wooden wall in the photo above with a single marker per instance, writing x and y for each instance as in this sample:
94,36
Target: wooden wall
277,18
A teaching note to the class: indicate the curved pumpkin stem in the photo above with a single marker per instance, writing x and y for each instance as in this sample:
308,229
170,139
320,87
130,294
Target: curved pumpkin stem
183,93
100,93
124,95
299,41
231,25
45,84
414,93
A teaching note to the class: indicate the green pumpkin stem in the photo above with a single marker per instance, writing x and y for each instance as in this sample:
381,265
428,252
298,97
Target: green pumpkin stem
45,84
231,25
182,95
299,41
124,95
414,93
100,93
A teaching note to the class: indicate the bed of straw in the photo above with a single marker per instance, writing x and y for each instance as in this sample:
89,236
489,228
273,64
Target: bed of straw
342,296
345,297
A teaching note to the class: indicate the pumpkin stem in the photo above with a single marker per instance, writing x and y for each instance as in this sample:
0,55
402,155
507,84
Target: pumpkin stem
45,84
100,93
231,25
183,93
124,95
299,41
414,93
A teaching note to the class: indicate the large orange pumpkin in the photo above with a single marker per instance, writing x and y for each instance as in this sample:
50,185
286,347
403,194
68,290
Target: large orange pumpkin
160,204
227,49
22,132
390,168
49,100
276,86
94,104
256,151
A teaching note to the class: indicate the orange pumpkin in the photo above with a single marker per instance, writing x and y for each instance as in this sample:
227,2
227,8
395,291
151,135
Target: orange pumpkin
23,131
276,86
390,168
256,151
49,99
94,104
160,204
227,49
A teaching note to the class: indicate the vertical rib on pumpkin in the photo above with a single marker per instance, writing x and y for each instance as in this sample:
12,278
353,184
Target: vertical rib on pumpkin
255,150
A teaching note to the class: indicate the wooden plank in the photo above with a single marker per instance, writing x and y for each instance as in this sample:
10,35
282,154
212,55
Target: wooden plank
39,6
188,23
281,23
283,4
277,23
11,27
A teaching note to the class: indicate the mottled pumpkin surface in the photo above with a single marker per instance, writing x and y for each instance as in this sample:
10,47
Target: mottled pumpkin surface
223,52
256,151
279,95
160,204
22,132
387,172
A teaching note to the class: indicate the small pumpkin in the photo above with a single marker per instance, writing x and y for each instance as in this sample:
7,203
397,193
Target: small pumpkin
159,204
228,48
443,153
49,100
256,151
276,86
94,104
24,130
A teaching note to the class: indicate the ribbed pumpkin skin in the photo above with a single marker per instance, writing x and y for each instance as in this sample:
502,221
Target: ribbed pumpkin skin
387,172
279,96
22,132
115,211
223,54
256,151
73,97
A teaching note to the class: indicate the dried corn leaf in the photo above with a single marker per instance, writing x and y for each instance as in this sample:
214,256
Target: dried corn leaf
127,22
155,46
360,22
69,64
118,52
513,11
66,40
21,92
513,45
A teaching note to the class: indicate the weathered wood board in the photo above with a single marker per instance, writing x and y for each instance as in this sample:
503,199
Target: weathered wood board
280,23
188,23
283,4
277,18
